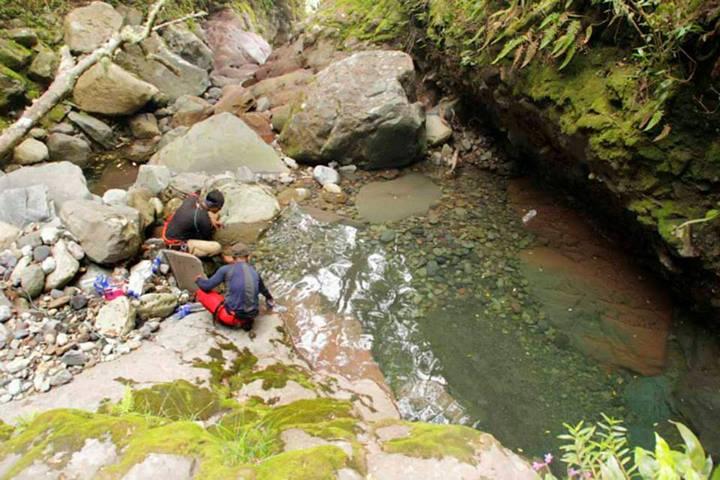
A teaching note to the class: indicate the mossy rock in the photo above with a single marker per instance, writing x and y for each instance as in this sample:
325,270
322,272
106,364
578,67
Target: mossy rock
13,55
5,431
437,441
176,401
12,89
319,463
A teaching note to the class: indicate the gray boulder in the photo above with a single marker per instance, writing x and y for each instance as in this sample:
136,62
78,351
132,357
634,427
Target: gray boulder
87,28
69,148
219,144
96,129
23,206
66,267
30,151
249,209
154,63
110,90
43,66
64,181
154,178
182,41
116,318
108,234
357,112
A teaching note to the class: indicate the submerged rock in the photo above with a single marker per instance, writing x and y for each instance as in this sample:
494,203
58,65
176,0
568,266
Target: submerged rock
358,111
220,143
108,234
413,194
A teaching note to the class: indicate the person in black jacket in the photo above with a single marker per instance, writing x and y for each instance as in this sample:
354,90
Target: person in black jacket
193,225
243,284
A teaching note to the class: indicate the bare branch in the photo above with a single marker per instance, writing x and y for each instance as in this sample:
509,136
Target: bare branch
180,20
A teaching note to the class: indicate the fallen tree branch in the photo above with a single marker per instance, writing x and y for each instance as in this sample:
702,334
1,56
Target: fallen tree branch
179,20
67,75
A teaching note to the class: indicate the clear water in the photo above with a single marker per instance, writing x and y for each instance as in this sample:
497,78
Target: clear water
456,319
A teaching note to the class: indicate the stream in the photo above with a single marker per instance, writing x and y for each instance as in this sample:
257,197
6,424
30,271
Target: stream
476,317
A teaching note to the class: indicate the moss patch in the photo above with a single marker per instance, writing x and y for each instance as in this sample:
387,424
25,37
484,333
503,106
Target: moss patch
319,463
437,441
6,431
180,400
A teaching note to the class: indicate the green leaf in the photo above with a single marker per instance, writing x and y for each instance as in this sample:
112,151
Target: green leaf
508,48
646,464
568,56
692,444
710,215
610,470
716,474
654,120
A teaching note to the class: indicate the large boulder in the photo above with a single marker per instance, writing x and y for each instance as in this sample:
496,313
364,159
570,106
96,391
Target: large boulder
182,41
88,27
63,180
71,149
248,210
173,76
219,144
43,66
23,206
109,89
357,112
233,46
108,234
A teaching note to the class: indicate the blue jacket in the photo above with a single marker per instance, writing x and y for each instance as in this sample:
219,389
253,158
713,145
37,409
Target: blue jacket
243,285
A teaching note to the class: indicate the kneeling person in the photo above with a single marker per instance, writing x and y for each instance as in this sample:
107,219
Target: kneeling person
243,284
193,224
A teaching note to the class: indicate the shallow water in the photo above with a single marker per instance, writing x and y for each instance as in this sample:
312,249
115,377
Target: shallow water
474,319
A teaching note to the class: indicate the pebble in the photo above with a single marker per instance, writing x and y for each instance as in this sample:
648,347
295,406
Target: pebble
387,236
50,235
87,346
5,313
49,265
73,358
17,365
78,302
62,339
41,383
15,387
76,250
5,398
61,378
41,253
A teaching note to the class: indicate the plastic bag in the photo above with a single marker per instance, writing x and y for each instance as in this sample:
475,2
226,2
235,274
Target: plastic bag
139,274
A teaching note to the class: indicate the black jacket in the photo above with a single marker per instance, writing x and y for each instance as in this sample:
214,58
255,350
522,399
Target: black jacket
190,222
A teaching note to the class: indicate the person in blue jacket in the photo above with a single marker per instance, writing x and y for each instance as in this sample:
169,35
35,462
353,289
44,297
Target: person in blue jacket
243,285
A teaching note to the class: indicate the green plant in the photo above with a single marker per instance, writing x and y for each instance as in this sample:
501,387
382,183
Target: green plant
602,452
248,444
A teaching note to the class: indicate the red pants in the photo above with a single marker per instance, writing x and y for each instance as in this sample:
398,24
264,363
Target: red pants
214,303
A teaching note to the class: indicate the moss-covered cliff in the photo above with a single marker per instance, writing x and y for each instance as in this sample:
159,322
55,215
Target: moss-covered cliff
630,119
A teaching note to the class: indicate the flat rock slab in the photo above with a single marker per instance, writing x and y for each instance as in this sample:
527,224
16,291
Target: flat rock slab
413,194
185,268
168,358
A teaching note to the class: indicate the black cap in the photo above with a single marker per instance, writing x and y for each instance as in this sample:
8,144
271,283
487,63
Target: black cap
215,199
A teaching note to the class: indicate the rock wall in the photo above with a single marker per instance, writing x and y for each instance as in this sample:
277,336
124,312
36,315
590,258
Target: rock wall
579,125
